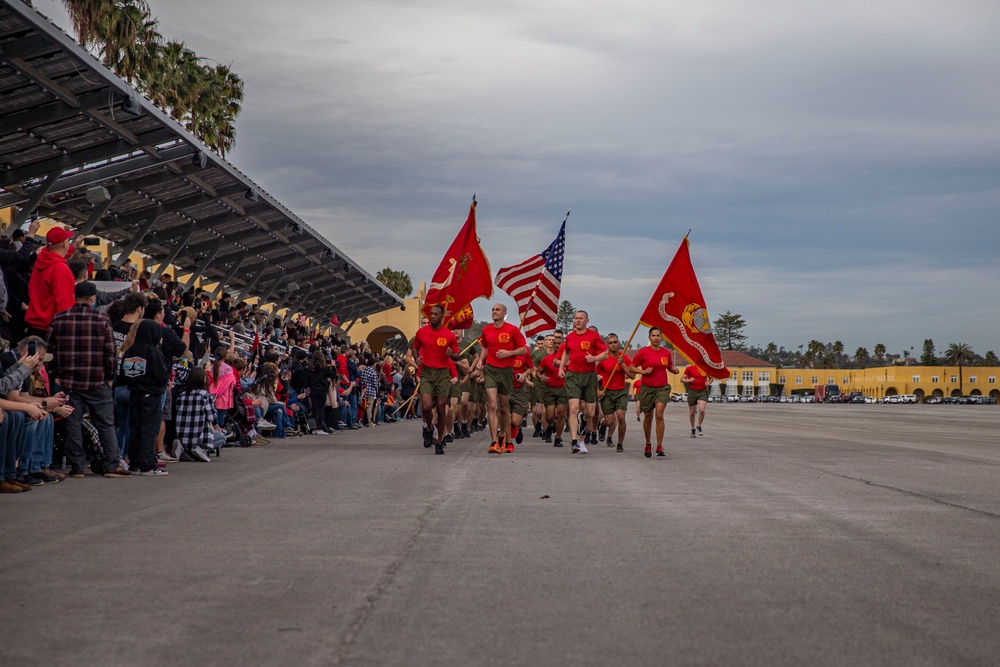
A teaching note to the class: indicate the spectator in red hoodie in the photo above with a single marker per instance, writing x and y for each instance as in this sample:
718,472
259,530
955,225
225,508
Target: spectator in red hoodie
51,288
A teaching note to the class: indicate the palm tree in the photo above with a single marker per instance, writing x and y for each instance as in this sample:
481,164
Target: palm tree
771,351
959,354
860,355
206,99
86,16
990,359
814,350
398,282
838,350
879,353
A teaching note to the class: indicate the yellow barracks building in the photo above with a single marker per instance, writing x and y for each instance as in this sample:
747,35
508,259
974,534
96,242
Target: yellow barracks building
750,376
921,381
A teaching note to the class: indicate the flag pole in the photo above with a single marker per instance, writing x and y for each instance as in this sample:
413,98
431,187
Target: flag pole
627,346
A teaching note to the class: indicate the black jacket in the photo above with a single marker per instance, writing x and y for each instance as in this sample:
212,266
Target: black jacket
143,367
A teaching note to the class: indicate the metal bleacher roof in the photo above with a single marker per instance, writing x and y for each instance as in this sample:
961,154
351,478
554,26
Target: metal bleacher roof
81,146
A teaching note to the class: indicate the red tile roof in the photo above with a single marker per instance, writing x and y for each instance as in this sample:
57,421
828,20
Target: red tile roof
731,358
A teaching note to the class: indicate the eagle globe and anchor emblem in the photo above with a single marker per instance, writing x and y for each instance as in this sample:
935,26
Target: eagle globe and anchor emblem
695,316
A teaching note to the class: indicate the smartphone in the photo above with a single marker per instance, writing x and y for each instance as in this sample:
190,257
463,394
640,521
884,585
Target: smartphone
32,348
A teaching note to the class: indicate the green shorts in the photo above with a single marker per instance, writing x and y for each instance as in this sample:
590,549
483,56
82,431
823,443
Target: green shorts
478,393
695,396
466,387
519,401
554,396
582,386
614,400
650,396
435,382
456,390
537,393
501,379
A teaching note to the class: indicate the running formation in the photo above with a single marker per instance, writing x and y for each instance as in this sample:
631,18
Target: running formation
575,383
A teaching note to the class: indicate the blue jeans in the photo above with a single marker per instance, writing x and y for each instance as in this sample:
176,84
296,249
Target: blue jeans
101,406
38,448
10,431
121,418
276,414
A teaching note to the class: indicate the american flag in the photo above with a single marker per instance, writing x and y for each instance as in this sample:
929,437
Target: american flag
534,284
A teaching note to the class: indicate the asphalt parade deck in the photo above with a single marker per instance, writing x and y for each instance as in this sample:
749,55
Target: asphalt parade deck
787,535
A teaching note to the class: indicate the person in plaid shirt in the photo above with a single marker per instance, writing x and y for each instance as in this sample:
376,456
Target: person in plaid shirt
369,378
83,362
195,417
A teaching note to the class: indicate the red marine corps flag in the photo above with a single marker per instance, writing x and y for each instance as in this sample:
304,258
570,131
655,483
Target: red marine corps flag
462,319
464,273
678,309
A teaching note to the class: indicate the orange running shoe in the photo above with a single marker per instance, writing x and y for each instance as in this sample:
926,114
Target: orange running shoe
495,448
510,448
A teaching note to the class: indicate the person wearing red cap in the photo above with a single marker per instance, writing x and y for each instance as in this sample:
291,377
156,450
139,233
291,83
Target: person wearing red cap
50,289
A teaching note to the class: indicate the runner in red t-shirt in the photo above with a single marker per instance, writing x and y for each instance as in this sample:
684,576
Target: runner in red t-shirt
613,393
652,363
553,393
502,344
519,403
697,383
579,356
435,346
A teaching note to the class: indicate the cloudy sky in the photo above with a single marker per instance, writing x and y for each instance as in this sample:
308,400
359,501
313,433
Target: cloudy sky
837,163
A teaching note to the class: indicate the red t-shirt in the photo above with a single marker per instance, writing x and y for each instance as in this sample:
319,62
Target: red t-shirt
522,363
698,379
579,346
659,360
433,345
605,370
548,366
507,337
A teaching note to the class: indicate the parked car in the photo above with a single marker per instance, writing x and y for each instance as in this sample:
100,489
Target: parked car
908,398
871,399
934,400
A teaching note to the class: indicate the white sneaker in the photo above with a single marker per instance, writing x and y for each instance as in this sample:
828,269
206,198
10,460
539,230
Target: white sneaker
176,448
155,472
319,431
166,458
583,448
263,423
199,454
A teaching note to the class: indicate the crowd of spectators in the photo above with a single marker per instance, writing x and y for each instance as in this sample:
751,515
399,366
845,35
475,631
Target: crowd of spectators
129,381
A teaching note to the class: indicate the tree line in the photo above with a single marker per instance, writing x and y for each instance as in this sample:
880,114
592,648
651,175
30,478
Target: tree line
205,98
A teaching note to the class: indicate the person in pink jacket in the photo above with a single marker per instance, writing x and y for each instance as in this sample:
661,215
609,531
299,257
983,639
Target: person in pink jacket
222,379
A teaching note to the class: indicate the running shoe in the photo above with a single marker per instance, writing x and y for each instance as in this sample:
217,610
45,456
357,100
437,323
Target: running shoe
439,448
538,431
428,437
557,443
649,452
660,452
575,447
602,431
495,448
583,448
692,434
621,448
699,431
518,436
510,448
